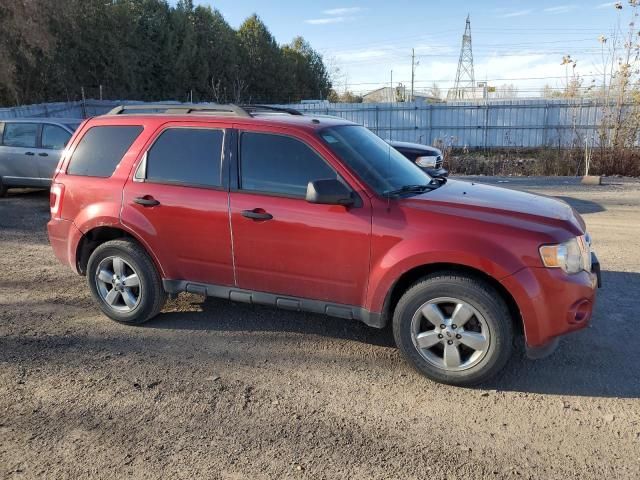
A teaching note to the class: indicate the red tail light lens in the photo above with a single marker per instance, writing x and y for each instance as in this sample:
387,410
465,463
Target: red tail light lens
55,199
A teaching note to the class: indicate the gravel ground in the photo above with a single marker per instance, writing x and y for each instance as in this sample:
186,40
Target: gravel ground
212,389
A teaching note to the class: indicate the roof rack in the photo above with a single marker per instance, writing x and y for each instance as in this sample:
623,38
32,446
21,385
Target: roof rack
179,108
213,108
266,108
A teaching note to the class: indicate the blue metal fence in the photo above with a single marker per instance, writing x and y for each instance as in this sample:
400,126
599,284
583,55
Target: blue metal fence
508,123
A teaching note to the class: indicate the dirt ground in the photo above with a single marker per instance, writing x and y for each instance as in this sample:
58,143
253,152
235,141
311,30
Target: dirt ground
212,389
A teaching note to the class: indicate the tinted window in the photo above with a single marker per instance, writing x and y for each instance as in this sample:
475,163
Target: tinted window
279,164
187,156
101,149
20,134
54,137
374,160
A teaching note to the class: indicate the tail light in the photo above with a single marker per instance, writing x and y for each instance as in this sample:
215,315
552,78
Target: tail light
55,199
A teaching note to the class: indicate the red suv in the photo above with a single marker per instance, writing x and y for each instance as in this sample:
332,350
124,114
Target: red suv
311,213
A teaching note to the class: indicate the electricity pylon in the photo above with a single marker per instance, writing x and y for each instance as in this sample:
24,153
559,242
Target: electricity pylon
465,84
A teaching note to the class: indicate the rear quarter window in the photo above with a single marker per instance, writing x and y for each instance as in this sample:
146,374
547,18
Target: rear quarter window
101,149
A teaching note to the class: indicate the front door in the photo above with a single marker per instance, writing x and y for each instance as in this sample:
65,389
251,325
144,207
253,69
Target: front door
283,244
177,200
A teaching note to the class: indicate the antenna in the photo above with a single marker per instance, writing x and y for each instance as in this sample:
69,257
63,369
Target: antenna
465,84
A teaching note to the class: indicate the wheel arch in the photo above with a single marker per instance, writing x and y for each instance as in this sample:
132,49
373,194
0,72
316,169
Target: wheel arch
96,236
411,276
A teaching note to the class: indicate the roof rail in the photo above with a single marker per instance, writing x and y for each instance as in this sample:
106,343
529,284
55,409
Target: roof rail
179,108
266,108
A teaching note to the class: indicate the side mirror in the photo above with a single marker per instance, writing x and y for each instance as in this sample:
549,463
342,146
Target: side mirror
329,192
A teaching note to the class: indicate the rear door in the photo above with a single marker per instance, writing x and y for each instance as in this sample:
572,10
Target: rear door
301,249
19,164
53,139
177,200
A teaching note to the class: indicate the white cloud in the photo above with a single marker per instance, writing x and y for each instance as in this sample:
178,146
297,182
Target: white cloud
560,9
360,55
519,13
325,21
606,5
343,11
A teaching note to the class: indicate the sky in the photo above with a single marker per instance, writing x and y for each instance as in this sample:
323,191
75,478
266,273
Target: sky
514,42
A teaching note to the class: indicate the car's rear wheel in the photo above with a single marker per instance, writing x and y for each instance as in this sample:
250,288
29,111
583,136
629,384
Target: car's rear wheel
454,328
124,282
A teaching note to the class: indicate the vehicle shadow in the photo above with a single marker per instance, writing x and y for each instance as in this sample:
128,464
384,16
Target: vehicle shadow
594,362
224,315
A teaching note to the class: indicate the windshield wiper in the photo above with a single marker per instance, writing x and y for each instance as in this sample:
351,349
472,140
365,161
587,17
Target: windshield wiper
409,189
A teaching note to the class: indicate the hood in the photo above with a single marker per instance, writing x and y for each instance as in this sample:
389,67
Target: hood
417,148
486,202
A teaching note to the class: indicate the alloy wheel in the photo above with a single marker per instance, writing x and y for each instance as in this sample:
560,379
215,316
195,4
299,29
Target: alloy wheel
450,334
118,284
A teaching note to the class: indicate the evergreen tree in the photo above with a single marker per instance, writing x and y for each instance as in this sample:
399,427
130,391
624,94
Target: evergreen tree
148,50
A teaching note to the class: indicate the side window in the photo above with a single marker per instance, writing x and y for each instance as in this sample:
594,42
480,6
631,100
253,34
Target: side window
20,134
190,156
54,137
279,164
101,149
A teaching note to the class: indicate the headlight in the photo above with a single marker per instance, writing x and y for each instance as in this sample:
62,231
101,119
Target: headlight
572,256
426,162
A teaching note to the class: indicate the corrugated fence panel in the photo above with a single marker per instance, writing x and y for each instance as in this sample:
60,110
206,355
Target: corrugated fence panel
493,124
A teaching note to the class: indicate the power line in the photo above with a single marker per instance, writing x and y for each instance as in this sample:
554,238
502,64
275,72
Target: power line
512,79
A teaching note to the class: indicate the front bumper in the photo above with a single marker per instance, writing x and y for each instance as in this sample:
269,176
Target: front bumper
553,303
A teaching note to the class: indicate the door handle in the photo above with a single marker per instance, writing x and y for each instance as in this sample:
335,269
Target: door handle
43,154
31,154
257,214
146,201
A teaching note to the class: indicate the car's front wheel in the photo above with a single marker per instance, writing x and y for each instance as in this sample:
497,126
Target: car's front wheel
454,328
124,282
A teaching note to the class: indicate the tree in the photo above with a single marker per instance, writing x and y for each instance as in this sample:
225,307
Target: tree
435,90
261,61
308,77
24,40
148,50
346,97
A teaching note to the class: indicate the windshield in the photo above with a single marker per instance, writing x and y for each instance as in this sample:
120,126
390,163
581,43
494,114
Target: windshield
378,164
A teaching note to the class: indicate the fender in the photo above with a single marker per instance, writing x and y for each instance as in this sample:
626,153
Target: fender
486,256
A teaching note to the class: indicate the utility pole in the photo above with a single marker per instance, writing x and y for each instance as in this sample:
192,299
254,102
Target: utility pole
393,97
413,70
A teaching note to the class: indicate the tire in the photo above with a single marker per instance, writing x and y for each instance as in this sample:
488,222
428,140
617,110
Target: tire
447,296
124,298
3,189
